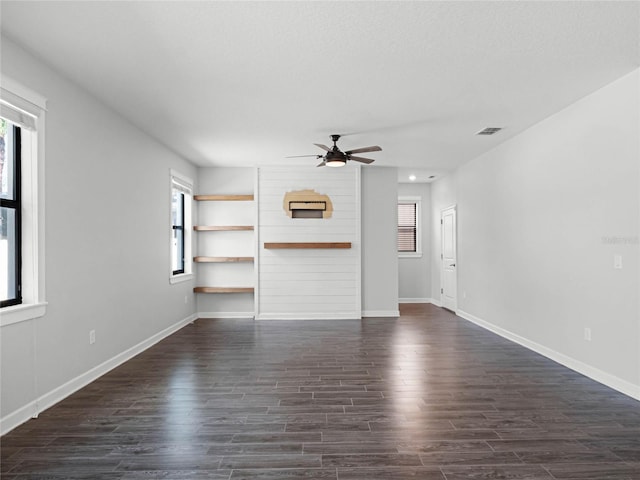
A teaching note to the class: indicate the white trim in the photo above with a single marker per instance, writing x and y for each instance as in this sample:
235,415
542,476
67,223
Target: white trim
33,208
182,277
415,300
225,314
436,302
622,386
181,180
33,408
21,313
21,96
184,184
381,313
355,315
409,255
453,207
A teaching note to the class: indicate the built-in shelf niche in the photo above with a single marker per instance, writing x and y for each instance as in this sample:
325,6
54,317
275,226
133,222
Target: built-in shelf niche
210,239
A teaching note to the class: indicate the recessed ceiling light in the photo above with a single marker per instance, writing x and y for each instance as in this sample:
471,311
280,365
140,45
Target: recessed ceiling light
412,177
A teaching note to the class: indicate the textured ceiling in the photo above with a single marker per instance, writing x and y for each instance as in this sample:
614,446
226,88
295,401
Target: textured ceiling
247,83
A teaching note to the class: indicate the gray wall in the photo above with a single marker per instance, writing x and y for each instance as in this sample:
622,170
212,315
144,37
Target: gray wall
379,241
540,219
107,241
414,273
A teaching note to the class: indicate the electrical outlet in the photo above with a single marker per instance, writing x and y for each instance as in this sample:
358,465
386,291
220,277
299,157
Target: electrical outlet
186,299
464,294
92,337
587,334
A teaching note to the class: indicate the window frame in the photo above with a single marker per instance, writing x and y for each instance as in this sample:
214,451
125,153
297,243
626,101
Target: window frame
26,108
417,201
184,185
180,227
15,204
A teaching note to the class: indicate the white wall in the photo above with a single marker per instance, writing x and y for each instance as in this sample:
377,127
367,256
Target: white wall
414,273
107,246
314,283
540,219
379,241
223,181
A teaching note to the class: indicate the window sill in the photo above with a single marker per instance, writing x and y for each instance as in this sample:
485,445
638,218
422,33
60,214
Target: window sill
410,255
183,277
22,313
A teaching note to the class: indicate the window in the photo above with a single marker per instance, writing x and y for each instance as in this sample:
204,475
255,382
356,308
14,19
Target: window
181,195
22,125
177,224
409,236
10,215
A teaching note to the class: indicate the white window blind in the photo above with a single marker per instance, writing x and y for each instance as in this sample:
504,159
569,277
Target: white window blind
407,227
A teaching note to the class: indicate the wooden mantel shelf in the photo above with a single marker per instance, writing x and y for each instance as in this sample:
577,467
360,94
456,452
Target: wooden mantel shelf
231,198
223,289
279,245
222,259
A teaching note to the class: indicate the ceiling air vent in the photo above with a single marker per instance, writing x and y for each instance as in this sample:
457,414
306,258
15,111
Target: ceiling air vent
489,131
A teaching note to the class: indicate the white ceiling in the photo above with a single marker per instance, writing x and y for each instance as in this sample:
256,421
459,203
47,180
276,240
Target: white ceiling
248,83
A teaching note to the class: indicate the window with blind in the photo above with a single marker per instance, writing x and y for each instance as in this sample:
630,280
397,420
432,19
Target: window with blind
409,227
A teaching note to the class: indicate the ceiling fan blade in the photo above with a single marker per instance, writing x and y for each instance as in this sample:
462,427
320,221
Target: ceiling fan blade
364,150
361,159
321,164
324,147
300,156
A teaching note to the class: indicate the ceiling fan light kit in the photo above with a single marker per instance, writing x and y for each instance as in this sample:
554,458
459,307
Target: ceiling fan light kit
337,158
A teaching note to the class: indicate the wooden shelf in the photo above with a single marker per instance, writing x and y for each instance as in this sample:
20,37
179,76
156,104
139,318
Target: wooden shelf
222,259
218,198
279,245
221,228
223,290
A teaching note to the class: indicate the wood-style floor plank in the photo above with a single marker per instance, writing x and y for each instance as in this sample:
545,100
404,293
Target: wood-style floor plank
426,396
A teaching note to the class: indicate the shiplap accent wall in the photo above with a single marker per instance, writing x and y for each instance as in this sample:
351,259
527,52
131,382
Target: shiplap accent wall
309,284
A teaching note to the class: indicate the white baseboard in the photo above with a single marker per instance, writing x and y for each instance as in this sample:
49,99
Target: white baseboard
309,316
622,386
436,302
226,314
419,300
32,409
381,313
414,300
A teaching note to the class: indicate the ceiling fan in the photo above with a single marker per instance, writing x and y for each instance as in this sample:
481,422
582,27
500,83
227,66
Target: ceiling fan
337,158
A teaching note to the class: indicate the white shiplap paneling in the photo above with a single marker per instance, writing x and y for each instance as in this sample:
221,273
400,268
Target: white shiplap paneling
309,283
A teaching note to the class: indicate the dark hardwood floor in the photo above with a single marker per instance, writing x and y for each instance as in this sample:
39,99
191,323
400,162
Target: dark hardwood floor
425,396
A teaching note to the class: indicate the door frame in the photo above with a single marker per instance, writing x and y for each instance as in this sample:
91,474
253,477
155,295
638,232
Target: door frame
455,246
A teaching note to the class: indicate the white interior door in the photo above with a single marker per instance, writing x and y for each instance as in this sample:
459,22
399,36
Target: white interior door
449,268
